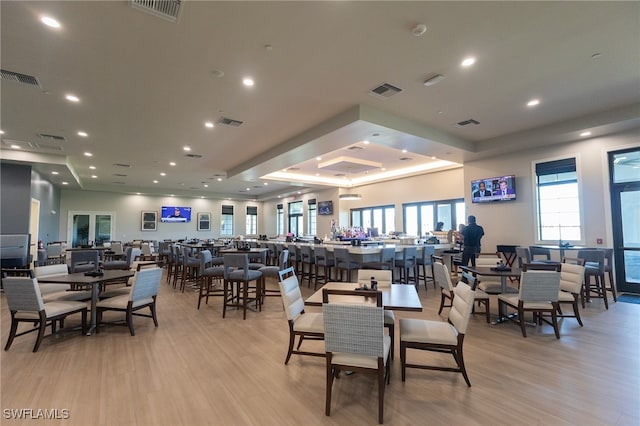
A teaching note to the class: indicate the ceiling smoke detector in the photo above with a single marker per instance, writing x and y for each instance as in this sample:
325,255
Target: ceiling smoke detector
419,29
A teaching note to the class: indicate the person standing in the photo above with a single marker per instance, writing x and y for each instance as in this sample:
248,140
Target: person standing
472,234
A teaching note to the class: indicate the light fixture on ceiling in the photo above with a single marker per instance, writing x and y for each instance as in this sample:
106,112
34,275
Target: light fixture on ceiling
419,29
435,79
349,197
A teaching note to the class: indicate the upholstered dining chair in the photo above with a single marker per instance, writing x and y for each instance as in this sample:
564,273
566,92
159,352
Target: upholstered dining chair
126,289
273,271
355,341
25,303
481,298
84,261
208,274
343,263
303,325
51,292
538,294
594,267
438,336
383,277
571,282
130,254
443,279
425,264
144,291
386,260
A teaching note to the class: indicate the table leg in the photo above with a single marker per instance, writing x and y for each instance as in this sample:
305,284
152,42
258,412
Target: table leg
95,289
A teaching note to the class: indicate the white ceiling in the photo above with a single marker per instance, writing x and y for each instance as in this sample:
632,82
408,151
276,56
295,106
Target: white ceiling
147,86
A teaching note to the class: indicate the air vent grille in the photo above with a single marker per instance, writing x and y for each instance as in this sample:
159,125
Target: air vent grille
193,155
355,148
49,137
229,122
165,9
123,165
29,80
119,175
467,122
385,90
405,158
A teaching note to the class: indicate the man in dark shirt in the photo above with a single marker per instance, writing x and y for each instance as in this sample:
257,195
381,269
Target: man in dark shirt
472,234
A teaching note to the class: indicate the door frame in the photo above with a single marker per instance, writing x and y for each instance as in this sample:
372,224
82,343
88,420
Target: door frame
92,222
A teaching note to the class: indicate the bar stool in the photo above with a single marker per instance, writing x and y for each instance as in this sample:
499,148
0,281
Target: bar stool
408,263
423,262
608,268
308,264
238,292
209,273
326,262
594,267
386,261
343,263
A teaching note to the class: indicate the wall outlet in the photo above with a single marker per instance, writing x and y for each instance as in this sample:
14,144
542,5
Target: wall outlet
599,240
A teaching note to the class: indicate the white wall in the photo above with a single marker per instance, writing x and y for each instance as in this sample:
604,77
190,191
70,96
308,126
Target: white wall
514,222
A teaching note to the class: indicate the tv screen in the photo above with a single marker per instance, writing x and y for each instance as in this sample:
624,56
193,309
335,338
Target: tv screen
501,188
325,207
173,214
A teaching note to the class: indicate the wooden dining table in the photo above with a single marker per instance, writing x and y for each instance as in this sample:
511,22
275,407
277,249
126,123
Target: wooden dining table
81,279
492,272
396,297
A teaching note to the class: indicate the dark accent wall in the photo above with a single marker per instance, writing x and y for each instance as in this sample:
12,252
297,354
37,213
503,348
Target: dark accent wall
49,197
15,198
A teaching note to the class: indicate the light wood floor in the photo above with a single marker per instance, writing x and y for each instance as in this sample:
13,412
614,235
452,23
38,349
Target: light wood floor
198,369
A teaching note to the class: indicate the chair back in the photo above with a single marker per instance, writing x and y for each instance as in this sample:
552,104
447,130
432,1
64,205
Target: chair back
48,270
442,276
409,255
523,255
354,329
382,276
593,260
321,255
427,252
23,294
132,254
283,259
541,267
54,250
305,252
79,257
293,252
205,259
539,286
145,248
461,307
341,256
291,295
571,278
146,285
470,280
236,261
116,247
388,255
539,251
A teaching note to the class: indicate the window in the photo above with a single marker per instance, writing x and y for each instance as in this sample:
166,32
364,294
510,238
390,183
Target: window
313,217
226,220
380,218
279,219
252,220
295,218
421,218
558,201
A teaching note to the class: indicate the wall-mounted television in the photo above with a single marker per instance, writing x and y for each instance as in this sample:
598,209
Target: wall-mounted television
500,188
325,207
173,214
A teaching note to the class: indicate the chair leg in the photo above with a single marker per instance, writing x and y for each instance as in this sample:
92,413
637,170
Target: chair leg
12,333
392,333
381,380
460,361
522,324
612,288
403,359
576,311
327,410
130,321
292,339
154,314
41,328
554,320
84,321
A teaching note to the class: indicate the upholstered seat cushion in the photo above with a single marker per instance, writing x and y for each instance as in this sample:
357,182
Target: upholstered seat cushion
490,287
309,322
239,275
425,331
215,271
66,296
564,296
361,360
53,288
53,309
120,291
120,302
513,301
269,271
115,264
389,317
481,295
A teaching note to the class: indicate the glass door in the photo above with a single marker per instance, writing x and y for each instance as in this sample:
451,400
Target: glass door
624,169
89,228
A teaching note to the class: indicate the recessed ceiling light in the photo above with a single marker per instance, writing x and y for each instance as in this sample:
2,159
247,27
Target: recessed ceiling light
266,183
155,181
1,132
248,189
94,177
72,98
92,167
318,158
383,169
202,196
247,81
404,150
137,193
88,154
299,192
50,22
15,146
163,174
219,179
206,186
596,55
366,142
172,163
208,124
317,174
83,134
55,173
585,134
65,183
433,157
533,102
467,62
187,148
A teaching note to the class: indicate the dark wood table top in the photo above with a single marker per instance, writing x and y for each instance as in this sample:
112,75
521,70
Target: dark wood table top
397,297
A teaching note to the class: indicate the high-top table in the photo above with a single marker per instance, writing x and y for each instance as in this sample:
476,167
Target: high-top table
397,297
79,278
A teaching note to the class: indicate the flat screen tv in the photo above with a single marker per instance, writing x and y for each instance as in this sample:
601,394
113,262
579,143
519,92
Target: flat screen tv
500,188
325,207
173,214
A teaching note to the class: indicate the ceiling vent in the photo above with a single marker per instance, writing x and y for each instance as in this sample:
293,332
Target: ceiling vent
165,9
355,148
49,137
48,147
193,155
229,122
467,122
405,158
19,144
385,90
123,165
29,80
119,175
118,183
